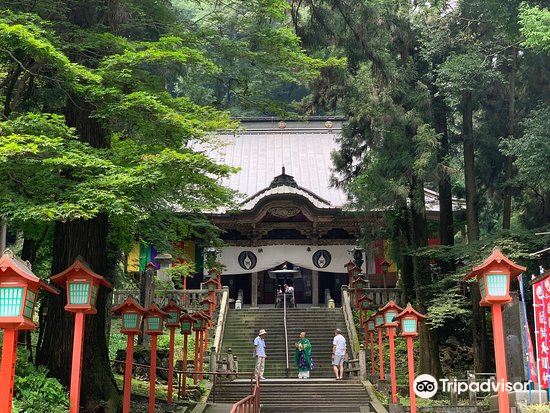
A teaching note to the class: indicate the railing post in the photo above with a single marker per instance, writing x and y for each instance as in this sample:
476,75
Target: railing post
230,360
471,393
362,362
213,360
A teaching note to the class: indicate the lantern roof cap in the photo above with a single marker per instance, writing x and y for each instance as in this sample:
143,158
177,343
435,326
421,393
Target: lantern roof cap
211,281
129,304
364,298
496,257
214,270
349,264
154,309
390,305
172,305
23,269
409,310
201,314
78,265
186,316
206,300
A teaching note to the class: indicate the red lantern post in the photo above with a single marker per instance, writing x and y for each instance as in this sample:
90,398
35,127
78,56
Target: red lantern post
154,319
131,313
172,322
409,319
207,309
215,275
370,328
390,310
18,292
82,288
493,277
197,327
359,284
379,325
203,342
186,322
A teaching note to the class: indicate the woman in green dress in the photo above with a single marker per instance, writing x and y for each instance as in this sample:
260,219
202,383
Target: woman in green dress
302,357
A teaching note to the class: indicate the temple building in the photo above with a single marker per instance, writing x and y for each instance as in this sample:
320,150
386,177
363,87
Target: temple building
289,214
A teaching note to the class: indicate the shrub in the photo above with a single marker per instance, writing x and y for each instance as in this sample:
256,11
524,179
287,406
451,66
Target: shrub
34,391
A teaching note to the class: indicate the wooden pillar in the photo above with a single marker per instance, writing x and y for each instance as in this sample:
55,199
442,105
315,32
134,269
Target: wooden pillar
254,289
7,369
315,288
76,365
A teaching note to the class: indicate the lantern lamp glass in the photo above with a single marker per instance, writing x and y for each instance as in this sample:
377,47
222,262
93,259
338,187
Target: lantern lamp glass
389,315
130,320
370,326
197,324
379,320
497,284
365,304
79,292
153,323
173,316
185,327
408,325
211,286
11,300
30,299
206,306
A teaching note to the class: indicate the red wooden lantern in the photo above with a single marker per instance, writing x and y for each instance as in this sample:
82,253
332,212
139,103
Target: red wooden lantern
82,286
493,277
216,274
174,313
18,292
409,319
154,320
154,326
370,329
390,311
172,322
363,304
186,322
131,314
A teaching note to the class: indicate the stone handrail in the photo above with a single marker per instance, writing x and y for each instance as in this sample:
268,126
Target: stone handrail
222,317
350,324
380,296
161,297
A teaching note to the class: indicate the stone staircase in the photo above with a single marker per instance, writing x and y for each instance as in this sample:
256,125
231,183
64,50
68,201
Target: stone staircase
300,396
242,327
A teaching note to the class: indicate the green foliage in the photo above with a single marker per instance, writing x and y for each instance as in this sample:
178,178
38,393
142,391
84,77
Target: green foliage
535,26
34,391
538,408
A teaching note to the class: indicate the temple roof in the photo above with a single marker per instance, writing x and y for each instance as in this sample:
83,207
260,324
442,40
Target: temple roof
294,157
263,148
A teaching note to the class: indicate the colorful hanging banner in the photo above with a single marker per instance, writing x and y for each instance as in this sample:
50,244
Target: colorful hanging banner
541,304
529,362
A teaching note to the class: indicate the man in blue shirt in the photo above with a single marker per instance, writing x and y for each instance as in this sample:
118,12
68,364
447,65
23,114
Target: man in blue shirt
259,353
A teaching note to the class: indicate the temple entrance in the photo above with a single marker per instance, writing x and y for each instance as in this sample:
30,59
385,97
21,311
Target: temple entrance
268,286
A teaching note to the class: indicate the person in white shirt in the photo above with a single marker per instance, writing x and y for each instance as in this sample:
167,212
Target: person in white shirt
338,354
259,353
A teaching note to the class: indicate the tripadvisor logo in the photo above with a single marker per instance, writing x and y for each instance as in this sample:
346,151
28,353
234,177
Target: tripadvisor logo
426,386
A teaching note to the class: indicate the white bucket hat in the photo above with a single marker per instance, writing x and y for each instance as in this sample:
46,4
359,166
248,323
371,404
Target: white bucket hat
262,332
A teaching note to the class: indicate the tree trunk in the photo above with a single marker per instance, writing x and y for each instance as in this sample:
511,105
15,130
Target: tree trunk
429,347
507,207
87,238
405,261
479,329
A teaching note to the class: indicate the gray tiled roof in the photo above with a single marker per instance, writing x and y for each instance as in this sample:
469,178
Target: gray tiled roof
261,150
